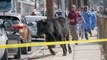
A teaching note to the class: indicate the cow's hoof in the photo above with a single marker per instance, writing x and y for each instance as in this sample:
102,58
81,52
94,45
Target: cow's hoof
76,43
64,54
70,51
53,53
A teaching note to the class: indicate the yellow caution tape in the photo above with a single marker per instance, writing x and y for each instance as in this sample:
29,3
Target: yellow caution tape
49,43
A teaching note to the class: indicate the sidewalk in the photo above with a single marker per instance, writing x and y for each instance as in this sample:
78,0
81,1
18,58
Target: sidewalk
83,51
87,51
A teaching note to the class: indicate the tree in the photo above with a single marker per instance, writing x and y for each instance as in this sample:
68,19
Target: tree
35,4
58,3
86,2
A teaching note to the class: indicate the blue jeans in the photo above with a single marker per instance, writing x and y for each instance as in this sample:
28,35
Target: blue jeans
86,33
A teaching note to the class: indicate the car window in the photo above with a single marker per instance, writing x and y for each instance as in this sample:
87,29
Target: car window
8,21
1,22
60,13
8,25
15,21
38,13
30,24
24,20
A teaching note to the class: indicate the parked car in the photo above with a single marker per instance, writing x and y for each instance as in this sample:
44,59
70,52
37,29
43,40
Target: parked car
59,13
31,21
42,11
36,13
18,32
3,41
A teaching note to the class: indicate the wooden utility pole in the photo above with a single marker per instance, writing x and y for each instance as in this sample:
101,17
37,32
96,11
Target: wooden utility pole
50,8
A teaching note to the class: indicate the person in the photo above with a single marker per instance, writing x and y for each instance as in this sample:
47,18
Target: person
33,13
80,23
93,19
73,19
87,25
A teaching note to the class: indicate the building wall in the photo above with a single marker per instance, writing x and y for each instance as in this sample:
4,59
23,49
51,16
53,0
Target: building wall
24,8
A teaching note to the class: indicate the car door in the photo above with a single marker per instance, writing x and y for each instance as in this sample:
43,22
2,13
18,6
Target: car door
3,40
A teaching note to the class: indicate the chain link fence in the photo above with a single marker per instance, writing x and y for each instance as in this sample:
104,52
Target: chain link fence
102,33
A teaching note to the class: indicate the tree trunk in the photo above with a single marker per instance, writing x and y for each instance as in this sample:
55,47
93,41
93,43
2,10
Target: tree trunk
70,4
59,4
73,2
35,4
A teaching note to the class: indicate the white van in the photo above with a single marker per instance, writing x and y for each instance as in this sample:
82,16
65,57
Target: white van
31,21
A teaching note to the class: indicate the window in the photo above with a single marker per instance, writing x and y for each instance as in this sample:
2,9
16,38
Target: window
24,20
5,5
15,21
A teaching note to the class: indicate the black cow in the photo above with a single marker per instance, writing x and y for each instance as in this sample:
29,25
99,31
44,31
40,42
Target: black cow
56,29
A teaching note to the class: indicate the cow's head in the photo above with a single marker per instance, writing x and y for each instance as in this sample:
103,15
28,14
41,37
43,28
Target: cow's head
40,27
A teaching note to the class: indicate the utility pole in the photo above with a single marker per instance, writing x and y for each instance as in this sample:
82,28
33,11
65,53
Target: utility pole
50,8
63,8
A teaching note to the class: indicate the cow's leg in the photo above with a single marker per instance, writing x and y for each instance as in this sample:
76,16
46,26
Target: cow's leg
50,37
69,47
51,51
64,50
65,47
